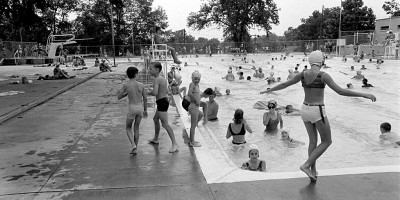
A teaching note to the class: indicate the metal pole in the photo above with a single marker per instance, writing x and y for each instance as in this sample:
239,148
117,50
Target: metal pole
340,20
133,42
112,31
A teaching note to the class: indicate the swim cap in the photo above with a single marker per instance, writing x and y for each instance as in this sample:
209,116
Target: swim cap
316,57
359,72
272,104
290,70
259,69
196,74
271,73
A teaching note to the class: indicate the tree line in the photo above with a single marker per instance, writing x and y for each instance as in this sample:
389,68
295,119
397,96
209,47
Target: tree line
30,21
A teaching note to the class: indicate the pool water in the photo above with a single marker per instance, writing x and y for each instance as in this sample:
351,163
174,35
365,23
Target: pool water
354,121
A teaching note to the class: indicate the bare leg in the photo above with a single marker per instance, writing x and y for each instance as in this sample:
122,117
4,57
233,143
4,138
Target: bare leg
313,140
325,134
129,133
156,120
194,116
205,111
164,121
136,132
173,54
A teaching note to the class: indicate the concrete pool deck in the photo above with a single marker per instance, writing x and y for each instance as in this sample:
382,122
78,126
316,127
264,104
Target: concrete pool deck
75,147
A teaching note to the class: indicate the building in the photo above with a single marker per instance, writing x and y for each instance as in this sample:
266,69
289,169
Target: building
383,26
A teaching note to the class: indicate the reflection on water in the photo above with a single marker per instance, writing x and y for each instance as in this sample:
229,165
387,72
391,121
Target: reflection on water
354,121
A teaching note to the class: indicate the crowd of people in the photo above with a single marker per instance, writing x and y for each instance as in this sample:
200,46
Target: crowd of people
312,112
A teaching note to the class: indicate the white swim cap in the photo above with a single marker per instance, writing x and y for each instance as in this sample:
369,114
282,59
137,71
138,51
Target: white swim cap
229,71
271,73
315,57
290,70
196,74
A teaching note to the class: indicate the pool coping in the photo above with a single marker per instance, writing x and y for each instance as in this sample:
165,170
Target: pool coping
216,171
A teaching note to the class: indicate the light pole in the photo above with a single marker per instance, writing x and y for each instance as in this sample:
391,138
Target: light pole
112,31
340,20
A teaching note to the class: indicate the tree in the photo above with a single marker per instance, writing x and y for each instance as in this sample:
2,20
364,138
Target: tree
235,17
355,17
392,8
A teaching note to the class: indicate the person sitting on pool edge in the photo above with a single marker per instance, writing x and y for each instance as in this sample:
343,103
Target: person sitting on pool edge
387,135
159,40
238,128
272,118
254,164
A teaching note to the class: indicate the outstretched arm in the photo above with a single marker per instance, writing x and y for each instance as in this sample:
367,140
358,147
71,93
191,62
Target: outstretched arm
284,85
329,81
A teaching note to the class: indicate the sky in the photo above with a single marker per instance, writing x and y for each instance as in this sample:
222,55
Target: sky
289,16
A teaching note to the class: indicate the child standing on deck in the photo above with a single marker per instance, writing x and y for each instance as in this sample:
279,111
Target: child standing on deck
195,103
137,105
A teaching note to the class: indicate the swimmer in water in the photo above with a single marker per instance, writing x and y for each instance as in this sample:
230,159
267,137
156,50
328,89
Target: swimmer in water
254,164
238,128
290,141
272,118
228,91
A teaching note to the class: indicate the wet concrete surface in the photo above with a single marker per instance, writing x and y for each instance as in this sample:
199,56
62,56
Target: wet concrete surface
75,147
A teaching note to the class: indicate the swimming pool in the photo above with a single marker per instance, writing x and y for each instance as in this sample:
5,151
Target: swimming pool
354,121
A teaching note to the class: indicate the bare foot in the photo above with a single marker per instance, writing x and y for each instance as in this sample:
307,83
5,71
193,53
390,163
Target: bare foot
308,172
174,148
134,151
153,141
194,144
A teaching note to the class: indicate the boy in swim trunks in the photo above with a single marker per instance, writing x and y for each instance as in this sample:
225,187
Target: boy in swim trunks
387,135
160,88
137,105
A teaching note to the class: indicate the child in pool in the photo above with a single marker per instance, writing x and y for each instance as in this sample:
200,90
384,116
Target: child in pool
272,118
359,76
366,84
290,141
238,128
254,164
387,135
228,91
241,77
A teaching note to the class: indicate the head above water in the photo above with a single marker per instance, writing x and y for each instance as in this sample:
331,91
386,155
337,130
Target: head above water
254,152
228,91
272,104
316,58
238,116
386,127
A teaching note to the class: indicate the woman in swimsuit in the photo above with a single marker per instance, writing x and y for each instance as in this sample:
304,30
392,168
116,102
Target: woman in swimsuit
313,109
238,129
272,118
254,164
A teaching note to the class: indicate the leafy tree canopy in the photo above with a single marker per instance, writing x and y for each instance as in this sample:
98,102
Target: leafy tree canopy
236,18
392,8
